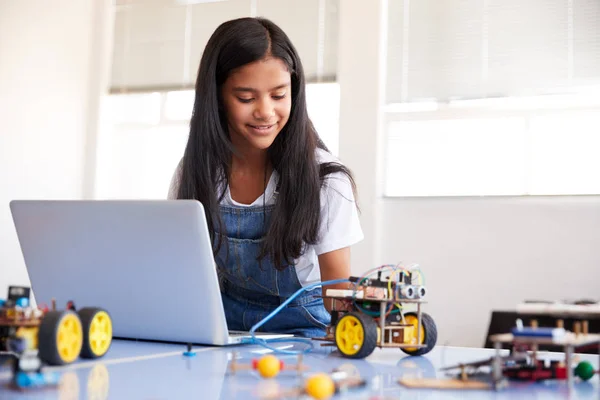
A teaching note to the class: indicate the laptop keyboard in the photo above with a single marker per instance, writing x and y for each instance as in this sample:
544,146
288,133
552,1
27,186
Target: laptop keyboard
239,333
246,333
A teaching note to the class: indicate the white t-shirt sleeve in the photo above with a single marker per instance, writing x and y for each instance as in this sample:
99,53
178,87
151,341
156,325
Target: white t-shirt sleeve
340,225
174,186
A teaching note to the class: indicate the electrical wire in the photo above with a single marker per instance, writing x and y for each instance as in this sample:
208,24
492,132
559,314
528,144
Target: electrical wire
417,269
396,269
265,342
359,282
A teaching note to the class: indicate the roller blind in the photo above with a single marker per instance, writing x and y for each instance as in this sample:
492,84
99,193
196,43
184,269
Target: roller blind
467,49
159,43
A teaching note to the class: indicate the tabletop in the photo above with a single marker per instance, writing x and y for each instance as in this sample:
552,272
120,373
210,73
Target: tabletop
150,370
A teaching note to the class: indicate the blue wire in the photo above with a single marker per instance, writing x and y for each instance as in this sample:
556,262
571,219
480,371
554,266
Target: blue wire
263,342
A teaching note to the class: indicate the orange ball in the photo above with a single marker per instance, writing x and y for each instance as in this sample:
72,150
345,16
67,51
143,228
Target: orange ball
320,386
268,366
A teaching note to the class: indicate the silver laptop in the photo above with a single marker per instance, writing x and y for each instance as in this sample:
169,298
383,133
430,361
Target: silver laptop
149,263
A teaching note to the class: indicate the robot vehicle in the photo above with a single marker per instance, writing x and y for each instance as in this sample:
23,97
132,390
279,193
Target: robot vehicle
373,315
59,336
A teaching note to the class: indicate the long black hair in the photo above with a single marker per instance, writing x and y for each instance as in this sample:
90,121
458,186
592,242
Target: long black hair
207,159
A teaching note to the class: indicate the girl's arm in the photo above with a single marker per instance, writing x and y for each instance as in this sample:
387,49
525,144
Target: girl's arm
335,265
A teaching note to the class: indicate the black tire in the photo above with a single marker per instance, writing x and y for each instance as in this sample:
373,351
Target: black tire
48,335
87,315
369,342
429,333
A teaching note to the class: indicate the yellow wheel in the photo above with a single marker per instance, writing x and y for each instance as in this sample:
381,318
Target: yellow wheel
60,337
355,335
428,334
97,332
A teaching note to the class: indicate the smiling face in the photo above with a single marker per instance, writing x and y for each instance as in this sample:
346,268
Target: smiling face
257,99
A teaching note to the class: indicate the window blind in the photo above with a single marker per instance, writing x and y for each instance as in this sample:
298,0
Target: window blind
467,49
158,43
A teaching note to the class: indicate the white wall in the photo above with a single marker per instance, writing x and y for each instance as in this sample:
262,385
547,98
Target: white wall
51,71
478,254
360,75
483,254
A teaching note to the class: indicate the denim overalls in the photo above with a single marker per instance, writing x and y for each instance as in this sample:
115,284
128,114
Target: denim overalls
251,289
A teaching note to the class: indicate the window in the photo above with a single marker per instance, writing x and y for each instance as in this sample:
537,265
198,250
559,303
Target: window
564,153
510,146
144,136
492,97
139,146
456,156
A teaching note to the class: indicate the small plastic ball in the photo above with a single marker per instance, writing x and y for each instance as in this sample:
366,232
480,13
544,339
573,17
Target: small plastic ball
584,370
268,366
320,386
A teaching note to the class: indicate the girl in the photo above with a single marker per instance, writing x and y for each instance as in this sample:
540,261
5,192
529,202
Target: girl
279,206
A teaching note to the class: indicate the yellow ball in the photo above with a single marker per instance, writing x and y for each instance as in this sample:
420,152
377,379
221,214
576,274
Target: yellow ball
268,366
320,386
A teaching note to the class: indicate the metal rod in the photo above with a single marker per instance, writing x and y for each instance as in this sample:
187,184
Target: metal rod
496,368
382,308
568,361
418,323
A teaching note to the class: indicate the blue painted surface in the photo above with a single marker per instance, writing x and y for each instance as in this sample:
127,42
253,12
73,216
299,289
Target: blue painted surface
144,370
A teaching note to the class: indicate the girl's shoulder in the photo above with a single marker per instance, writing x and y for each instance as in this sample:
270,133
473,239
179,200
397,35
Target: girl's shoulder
323,156
336,183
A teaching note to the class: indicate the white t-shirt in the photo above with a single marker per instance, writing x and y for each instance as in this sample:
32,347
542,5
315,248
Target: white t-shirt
339,226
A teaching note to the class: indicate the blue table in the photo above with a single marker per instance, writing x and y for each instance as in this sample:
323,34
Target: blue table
146,370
